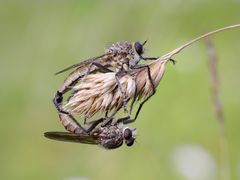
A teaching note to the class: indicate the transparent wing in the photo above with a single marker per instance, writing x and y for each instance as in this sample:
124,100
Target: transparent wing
84,63
71,137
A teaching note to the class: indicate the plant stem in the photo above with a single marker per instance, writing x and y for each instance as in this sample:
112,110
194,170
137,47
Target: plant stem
214,82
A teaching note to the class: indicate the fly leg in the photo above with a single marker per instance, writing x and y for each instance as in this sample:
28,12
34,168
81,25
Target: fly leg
135,94
133,101
124,100
109,119
127,121
94,124
58,98
127,118
123,119
149,58
58,102
100,66
85,120
71,80
155,58
149,75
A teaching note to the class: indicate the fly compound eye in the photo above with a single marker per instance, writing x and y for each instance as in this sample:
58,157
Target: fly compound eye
138,47
127,134
130,142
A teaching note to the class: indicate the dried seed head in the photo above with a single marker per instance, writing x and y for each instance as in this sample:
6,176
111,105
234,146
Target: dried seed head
99,92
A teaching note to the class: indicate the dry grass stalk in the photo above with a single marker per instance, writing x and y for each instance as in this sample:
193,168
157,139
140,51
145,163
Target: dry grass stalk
214,82
99,92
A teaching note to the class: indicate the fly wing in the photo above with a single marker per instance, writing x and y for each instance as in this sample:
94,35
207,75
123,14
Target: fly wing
71,137
86,63
82,69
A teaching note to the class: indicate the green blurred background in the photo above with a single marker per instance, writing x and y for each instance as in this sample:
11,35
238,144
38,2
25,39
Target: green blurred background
38,38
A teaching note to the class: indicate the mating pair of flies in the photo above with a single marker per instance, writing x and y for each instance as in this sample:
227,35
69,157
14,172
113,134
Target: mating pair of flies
120,58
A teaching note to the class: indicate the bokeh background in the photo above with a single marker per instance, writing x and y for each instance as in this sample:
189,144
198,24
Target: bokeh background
178,137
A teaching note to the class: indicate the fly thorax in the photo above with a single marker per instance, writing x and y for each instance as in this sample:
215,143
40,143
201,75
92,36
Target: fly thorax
111,137
119,47
134,61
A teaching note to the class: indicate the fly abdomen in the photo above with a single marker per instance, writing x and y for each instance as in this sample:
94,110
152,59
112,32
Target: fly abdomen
69,124
73,79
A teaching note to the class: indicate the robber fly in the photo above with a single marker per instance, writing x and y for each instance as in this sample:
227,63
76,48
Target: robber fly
120,56
109,137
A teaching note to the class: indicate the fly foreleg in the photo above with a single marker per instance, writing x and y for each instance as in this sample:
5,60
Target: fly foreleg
135,94
127,121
